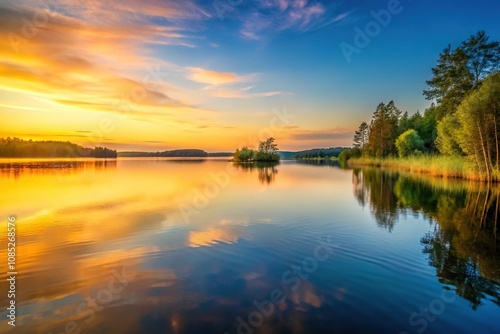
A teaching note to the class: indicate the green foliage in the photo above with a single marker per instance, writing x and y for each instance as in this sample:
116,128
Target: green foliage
345,155
244,154
268,146
18,148
319,153
479,126
268,151
447,130
465,122
409,143
361,136
462,70
384,130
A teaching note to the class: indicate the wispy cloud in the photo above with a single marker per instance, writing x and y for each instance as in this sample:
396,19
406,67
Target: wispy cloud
78,64
116,10
215,78
270,16
321,135
240,93
224,84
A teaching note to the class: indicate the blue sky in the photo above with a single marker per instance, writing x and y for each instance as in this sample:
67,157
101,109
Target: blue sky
225,66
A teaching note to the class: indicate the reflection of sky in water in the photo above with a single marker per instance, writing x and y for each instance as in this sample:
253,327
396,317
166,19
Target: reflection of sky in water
79,228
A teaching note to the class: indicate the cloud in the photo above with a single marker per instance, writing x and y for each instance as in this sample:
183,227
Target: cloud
271,16
221,84
116,10
328,134
215,78
239,93
212,236
74,63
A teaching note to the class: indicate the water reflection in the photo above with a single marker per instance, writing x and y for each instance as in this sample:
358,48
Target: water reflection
266,170
463,244
199,275
318,162
18,167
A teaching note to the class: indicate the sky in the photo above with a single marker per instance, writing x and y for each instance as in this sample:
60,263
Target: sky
156,75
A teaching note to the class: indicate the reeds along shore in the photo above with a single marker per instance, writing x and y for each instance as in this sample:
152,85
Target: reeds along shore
439,166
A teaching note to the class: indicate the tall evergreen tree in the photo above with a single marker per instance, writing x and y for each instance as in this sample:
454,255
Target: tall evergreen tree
461,70
361,137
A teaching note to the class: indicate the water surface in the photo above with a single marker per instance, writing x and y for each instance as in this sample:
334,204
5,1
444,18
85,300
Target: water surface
207,246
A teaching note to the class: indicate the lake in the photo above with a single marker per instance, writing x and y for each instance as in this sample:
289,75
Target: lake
208,246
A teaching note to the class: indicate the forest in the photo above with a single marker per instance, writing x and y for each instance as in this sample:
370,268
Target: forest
461,128
18,148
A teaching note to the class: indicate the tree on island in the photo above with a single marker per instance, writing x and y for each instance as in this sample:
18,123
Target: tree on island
268,151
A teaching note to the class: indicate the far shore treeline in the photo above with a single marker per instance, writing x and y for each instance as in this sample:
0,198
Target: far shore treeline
187,153
18,148
458,136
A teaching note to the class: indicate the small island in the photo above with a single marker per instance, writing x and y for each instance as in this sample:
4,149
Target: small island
267,152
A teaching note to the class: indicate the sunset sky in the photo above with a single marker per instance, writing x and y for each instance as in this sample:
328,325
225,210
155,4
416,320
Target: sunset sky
161,74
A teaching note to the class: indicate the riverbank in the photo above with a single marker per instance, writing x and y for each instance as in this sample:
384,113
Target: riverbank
439,166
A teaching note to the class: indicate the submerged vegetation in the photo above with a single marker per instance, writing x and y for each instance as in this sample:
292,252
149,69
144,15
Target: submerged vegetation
267,151
458,136
18,148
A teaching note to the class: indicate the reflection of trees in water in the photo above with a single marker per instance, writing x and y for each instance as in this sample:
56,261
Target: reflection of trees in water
377,189
463,272
267,170
318,162
16,169
463,245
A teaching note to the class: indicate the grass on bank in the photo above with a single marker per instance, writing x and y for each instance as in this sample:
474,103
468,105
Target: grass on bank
440,166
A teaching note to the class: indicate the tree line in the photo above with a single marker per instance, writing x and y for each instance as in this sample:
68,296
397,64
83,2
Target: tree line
188,153
19,148
463,120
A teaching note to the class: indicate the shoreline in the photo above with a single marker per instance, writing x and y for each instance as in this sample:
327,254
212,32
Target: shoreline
438,166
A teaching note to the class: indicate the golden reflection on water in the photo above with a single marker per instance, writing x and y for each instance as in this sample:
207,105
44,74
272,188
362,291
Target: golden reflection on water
88,227
79,221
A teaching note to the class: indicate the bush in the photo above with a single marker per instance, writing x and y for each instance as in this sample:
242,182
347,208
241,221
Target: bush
409,143
244,154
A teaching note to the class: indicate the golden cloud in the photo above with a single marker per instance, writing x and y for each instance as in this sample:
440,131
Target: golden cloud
215,78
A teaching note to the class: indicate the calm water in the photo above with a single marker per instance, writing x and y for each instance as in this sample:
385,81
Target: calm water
205,246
